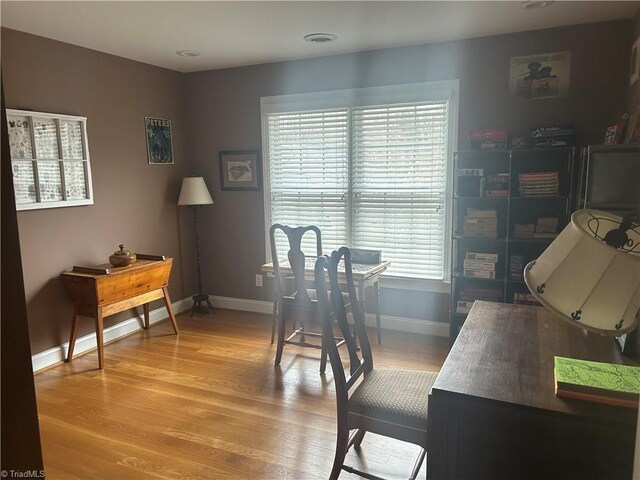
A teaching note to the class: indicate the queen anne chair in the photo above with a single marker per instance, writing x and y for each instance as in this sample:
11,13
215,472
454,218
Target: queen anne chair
300,307
392,403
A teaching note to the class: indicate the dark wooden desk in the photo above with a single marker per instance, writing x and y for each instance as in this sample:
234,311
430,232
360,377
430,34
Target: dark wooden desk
493,412
99,295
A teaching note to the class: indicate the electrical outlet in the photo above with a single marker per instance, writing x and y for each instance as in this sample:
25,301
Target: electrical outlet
258,279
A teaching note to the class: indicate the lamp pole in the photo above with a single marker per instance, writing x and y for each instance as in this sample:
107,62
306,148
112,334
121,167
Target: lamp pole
200,298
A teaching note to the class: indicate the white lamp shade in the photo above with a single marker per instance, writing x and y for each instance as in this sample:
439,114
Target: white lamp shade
194,192
587,282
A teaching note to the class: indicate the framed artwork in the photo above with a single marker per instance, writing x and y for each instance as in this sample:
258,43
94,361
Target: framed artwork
159,141
240,170
540,76
634,64
49,160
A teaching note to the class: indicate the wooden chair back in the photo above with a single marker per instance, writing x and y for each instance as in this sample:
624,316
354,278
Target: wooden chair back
296,258
331,300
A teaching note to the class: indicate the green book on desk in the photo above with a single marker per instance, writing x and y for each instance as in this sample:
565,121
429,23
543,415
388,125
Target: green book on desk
598,382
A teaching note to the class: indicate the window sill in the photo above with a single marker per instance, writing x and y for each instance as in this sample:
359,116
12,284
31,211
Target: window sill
417,284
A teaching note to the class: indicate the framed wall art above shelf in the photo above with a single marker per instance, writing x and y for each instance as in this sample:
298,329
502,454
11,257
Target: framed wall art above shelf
49,160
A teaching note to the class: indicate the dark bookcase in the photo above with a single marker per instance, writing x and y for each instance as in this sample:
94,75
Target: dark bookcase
508,206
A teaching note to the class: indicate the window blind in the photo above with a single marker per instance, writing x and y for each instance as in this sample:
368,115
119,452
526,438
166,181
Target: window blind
399,155
368,166
308,175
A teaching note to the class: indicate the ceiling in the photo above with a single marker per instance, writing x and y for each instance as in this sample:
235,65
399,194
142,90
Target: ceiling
236,33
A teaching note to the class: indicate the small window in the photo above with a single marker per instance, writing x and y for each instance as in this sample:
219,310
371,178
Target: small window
49,160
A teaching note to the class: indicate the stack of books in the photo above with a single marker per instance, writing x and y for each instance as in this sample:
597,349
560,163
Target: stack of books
525,298
516,266
524,230
468,295
546,227
496,185
481,222
539,184
480,265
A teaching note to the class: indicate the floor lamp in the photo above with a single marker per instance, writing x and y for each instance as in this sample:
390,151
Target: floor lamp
194,194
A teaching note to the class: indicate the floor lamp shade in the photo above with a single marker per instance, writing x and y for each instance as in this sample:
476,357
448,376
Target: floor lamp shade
194,192
587,281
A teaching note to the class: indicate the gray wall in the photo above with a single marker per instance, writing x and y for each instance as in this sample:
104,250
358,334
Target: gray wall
135,203
224,111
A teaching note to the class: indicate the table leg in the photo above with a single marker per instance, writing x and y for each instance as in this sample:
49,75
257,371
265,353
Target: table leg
376,289
74,334
99,326
167,303
145,309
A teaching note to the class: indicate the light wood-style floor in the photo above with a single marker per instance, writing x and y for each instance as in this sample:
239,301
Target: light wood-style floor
208,404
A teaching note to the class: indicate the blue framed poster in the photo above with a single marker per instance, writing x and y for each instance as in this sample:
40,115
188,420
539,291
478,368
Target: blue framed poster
159,141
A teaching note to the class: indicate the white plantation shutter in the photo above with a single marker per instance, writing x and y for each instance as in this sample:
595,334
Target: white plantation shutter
368,166
308,175
399,160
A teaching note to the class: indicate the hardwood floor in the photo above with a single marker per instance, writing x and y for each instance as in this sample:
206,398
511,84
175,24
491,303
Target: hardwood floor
208,404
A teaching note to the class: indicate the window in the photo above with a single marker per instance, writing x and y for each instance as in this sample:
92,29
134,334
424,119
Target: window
49,160
369,167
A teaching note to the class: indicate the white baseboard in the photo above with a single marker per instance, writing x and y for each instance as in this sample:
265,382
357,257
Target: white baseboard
58,354
388,322
244,304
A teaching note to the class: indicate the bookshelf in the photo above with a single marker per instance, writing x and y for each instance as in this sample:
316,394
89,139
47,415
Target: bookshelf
508,206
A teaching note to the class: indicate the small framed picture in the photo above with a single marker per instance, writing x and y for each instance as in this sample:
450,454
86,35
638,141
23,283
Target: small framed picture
240,170
159,141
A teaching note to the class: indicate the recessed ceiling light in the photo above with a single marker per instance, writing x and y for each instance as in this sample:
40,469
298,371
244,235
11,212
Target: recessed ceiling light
533,4
188,53
320,37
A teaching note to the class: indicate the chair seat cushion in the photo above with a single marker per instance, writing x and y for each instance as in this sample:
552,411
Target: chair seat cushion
394,396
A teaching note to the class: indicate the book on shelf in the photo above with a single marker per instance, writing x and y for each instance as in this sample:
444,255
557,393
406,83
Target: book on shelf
601,382
545,234
464,306
469,172
525,298
546,228
471,294
482,212
481,256
547,221
496,193
481,220
480,234
474,273
479,265
516,266
480,227
524,227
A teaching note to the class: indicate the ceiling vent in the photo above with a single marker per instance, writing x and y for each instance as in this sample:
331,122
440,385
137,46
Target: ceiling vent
188,53
320,37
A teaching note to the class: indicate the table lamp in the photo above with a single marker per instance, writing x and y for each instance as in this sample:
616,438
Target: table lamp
194,193
590,277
